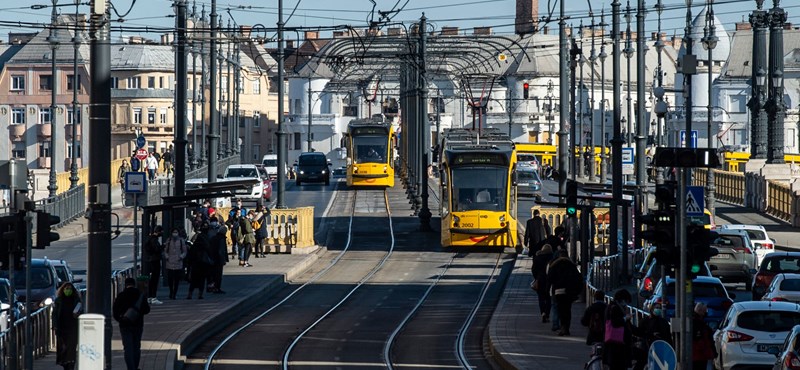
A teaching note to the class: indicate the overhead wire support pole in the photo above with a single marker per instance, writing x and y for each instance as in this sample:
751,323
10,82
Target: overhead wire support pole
180,139
425,129
563,92
202,153
281,134
616,143
52,39
593,68
688,68
308,135
98,285
76,85
641,123
213,125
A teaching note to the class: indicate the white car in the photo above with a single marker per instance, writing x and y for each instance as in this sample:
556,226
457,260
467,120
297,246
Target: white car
758,235
751,330
788,357
784,288
237,172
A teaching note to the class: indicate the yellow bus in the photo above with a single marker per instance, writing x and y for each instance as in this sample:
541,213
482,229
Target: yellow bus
370,153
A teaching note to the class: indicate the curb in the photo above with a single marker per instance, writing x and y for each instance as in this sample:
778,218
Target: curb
495,349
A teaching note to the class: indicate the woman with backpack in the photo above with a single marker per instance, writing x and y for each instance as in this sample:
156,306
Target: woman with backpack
260,226
617,336
594,318
175,251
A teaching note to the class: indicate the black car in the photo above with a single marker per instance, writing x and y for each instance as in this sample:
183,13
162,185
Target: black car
313,167
44,282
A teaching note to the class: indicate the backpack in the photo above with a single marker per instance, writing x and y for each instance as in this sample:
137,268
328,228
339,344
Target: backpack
256,225
574,282
596,322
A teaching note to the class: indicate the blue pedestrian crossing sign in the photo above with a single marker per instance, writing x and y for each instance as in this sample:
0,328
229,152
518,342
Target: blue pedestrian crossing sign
695,201
661,356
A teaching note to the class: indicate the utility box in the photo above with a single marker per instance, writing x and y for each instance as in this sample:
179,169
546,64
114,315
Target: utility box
91,335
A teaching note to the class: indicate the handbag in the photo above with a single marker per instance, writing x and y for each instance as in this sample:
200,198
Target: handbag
535,284
132,314
614,334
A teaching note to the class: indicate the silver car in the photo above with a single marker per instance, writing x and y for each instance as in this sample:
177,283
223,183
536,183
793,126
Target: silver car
736,260
784,288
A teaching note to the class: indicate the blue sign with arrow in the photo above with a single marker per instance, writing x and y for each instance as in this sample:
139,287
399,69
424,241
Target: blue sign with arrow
140,142
661,356
694,138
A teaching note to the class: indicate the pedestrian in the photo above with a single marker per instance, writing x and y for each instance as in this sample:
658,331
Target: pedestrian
587,161
66,309
594,318
539,272
200,262
260,226
703,348
565,285
651,328
153,256
547,230
175,251
129,309
237,212
219,248
556,240
152,166
617,337
534,232
121,171
246,238
167,158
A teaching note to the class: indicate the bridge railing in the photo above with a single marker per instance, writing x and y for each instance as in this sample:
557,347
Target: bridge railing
604,274
68,205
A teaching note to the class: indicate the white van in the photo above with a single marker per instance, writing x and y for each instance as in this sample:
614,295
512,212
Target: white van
270,162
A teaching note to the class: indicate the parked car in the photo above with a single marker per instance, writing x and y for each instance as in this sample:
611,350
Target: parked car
10,307
773,264
650,278
708,290
267,182
313,167
788,356
758,235
528,182
44,282
246,172
751,331
736,260
784,288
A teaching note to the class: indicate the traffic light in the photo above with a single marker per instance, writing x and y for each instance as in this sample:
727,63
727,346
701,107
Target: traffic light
7,239
525,87
43,234
572,198
686,157
698,244
665,195
661,233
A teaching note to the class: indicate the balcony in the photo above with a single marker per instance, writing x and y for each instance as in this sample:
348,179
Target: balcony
78,131
43,162
44,129
16,132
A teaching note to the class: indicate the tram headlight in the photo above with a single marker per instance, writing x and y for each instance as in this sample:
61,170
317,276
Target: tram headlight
456,220
502,218
384,169
323,172
355,169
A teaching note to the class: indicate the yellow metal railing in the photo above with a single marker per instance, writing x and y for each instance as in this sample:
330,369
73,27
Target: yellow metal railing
730,187
556,216
293,227
779,200
62,178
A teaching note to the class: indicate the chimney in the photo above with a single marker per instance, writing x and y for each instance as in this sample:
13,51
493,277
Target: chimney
546,30
246,31
312,35
677,42
526,17
743,26
449,31
483,31
394,31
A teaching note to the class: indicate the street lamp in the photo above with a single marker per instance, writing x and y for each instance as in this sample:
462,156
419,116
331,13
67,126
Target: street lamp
550,112
52,39
602,57
76,43
709,41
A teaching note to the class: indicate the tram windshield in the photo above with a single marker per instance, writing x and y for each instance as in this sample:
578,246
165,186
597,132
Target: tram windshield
479,188
370,149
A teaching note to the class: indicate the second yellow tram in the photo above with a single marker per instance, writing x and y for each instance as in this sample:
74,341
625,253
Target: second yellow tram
370,153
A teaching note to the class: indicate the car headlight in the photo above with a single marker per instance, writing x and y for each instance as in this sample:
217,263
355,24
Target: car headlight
301,172
48,301
323,172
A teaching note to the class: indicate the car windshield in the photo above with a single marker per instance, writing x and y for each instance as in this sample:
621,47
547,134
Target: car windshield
527,176
369,149
701,290
4,293
311,160
729,241
705,219
479,188
271,162
756,234
790,285
41,278
781,264
61,271
241,172
768,321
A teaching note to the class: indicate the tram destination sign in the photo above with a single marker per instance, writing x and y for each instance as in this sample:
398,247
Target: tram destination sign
368,131
479,158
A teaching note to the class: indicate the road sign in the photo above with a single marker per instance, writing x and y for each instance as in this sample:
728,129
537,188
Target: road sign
661,356
140,141
135,182
141,154
695,201
694,138
627,161
135,164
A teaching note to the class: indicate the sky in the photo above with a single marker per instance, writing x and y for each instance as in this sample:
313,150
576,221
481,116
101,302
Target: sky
498,14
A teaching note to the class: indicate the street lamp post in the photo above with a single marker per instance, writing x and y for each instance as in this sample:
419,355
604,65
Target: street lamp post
658,91
52,39
709,43
776,107
758,125
582,132
593,61
603,56
193,53
76,44
549,97
627,124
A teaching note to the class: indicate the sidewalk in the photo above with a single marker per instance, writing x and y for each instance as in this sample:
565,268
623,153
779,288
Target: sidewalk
175,327
519,340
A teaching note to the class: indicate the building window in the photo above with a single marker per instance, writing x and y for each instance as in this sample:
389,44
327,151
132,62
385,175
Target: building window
163,116
256,152
256,119
44,148
151,82
18,150
737,103
223,84
78,149
137,115
70,114
257,87
161,82
151,116
134,82
17,116
297,141
46,82
71,82
115,82
241,85
18,83
739,136
45,116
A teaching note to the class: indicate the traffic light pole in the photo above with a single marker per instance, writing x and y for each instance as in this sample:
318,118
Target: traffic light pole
684,280
29,215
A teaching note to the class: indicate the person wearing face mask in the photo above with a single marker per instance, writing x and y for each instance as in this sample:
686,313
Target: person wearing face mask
219,248
66,309
651,328
617,335
247,237
703,349
175,251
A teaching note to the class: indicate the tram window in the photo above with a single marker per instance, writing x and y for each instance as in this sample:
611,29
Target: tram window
370,149
479,188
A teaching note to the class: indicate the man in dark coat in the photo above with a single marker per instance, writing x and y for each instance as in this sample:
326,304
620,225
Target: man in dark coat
534,233
560,275
66,309
594,318
153,251
556,240
131,331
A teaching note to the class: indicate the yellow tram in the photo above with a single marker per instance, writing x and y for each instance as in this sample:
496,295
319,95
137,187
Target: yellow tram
370,153
479,199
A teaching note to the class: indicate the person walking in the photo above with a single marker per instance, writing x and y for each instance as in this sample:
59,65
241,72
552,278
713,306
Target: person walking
564,279
539,272
217,237
153,255
703,348
66,309
129,309
260,226
152,166
121,171
167,158
234,216
617,337
534,232
246,238
594,318
200,262
651,328
175,251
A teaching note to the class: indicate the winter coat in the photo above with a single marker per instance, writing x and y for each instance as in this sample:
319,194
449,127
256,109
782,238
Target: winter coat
595,334
558,275
653,328
261,233
200,253
534,233
702,340
554,241
65,324
127,299
248,232
153,249
175,251
217,238
618,355
539,270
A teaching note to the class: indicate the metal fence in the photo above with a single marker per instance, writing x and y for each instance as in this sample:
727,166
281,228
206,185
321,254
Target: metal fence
604,274
68,205
162,187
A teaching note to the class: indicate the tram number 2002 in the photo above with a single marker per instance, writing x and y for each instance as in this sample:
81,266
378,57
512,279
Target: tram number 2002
468,225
